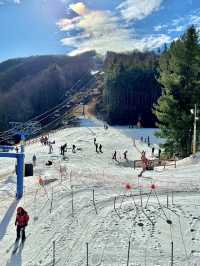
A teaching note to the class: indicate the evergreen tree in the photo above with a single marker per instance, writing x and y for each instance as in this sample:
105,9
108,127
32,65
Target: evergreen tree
180,78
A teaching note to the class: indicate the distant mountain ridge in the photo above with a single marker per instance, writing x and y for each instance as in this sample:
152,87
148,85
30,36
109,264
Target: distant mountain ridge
30,86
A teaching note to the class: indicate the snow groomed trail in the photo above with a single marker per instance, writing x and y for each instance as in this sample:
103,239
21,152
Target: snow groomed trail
85,199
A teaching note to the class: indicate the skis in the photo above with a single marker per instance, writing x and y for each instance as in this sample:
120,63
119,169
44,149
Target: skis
15,248
18,245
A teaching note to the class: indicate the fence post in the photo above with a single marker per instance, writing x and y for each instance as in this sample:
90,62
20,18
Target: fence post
167,200
51,200
129,245
115,208
87,254
72,193
172,253
54,253
94,202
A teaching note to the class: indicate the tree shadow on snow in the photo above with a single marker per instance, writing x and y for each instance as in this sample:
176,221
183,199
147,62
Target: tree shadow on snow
6,219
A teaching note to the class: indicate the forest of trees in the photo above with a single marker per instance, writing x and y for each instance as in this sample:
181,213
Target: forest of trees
30,86
131,88
179,74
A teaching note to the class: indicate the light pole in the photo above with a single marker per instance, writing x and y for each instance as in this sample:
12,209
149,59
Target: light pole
194,145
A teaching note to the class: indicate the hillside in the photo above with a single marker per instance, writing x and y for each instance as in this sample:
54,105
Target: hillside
30,86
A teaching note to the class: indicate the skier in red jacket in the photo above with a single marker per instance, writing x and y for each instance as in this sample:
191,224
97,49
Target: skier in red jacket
21,222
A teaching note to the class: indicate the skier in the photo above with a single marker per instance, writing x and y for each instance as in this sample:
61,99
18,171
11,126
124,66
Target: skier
73,148
100,148
50,148
125,155
34,160
21,222
159,153
115,156
96,146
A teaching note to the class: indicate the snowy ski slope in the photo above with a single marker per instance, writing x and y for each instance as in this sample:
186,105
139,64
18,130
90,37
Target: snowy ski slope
117,215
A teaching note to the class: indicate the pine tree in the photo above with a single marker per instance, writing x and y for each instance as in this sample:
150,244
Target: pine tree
180,78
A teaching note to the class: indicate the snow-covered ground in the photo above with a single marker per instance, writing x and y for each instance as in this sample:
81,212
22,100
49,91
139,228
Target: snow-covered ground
119,214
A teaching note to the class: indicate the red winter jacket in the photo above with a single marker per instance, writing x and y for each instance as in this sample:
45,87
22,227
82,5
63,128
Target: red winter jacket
22,217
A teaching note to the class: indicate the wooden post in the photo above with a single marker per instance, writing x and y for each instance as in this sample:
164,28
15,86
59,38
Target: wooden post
129,245
54,253
87,254
172,253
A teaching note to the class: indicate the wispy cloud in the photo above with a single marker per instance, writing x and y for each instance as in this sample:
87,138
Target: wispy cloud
138,9
180,24
102,31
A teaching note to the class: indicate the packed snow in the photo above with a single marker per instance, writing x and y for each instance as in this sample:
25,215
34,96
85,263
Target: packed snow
89,200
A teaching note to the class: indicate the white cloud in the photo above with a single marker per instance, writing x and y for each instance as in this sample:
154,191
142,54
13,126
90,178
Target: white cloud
138,9
102,31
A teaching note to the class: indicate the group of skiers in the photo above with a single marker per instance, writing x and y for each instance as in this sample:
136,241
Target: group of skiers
114,156
145,140
44,140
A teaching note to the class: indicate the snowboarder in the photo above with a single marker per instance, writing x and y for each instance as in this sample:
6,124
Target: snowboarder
34,160
21,222
125,155
100,148
115,156
152,151
96,146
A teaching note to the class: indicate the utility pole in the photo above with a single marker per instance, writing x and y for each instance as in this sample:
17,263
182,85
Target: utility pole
194,145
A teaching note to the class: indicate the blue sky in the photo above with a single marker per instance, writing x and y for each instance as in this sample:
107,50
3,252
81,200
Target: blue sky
35,27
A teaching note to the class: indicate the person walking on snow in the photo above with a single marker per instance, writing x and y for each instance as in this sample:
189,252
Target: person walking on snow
100,148
115,156
34,160
21,222
96,146
125,155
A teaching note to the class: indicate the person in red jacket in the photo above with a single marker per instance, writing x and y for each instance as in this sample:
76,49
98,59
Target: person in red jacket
21,222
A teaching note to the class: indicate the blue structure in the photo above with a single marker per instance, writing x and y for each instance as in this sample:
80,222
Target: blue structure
4,152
